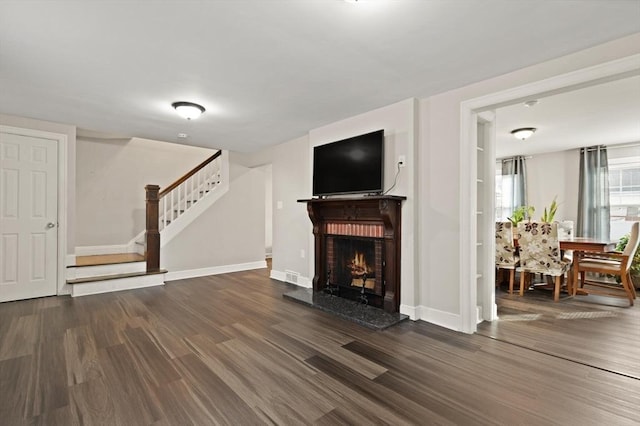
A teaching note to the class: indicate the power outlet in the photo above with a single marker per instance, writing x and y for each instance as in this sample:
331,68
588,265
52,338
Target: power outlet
402,161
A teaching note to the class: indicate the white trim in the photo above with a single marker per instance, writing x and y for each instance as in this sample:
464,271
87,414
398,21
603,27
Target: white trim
441,318
96,250
412,311
71,260
281,276
63,194
278,275
593,75
214,270
119,284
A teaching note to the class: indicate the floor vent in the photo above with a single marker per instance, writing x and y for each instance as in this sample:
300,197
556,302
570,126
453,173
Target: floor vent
291,277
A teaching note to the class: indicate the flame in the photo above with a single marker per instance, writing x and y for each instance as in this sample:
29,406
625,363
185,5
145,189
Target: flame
358,265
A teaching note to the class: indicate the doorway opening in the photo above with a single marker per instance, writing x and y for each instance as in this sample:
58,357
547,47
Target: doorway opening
475,268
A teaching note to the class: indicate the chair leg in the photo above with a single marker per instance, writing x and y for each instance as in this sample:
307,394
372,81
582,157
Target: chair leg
522,279
632,287
626,283
512,277
556,290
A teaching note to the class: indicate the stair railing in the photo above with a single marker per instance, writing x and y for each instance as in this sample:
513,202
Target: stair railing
164,207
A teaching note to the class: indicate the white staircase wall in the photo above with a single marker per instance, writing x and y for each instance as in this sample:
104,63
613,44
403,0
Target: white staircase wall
228,235
172,230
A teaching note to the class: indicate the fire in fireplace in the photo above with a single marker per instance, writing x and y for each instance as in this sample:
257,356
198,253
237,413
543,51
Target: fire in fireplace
356,263
361,272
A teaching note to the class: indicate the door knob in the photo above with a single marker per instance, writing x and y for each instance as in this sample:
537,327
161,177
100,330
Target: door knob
51,225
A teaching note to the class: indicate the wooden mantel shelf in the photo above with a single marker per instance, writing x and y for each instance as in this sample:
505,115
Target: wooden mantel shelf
380,212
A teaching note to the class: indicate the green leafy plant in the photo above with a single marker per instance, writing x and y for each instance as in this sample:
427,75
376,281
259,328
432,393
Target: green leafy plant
521,213
548,215
622,244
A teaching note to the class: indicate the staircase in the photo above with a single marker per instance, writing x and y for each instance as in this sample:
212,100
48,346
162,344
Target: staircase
111,272
168,212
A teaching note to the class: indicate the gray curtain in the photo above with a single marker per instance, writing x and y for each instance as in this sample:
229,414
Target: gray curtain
515,169
593,194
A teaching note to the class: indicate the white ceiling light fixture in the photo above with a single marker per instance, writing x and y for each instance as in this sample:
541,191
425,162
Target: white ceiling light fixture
523,132
188,110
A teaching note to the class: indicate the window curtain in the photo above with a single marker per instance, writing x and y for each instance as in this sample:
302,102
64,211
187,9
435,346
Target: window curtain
593,195
514,184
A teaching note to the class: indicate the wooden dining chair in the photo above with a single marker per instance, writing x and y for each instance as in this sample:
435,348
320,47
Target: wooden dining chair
540,254
506,257
611,263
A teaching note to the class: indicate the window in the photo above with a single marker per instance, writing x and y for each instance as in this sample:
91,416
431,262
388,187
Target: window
624,194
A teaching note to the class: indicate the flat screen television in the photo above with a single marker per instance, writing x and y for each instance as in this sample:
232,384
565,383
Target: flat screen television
349,166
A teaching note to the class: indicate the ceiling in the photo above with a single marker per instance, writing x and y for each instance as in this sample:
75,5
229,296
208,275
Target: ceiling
269,71
604,114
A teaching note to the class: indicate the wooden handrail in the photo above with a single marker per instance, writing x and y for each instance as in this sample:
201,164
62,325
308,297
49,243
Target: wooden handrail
195,170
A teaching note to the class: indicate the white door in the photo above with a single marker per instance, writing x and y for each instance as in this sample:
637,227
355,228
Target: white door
28,216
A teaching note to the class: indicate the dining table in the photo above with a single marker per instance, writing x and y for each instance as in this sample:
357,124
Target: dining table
580,246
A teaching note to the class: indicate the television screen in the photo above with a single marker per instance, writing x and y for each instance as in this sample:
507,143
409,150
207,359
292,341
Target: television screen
349,166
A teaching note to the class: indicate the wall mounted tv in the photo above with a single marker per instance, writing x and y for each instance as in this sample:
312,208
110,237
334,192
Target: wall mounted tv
350,166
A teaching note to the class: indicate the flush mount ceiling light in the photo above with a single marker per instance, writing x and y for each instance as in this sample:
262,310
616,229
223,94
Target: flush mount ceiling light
188,110
523,133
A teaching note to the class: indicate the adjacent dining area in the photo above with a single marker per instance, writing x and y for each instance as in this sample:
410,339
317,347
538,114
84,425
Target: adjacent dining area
586,240
580,265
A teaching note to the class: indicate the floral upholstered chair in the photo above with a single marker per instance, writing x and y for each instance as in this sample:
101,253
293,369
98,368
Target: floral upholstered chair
506,257
540,253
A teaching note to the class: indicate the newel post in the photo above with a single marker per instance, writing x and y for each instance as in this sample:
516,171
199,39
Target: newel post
152,234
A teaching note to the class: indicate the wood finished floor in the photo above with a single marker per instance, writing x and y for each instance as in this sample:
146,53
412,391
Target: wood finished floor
603,332
229,349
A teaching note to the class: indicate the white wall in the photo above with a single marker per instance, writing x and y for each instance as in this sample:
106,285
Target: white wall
268,209
230,232
439,165
292,231
70,132
111,176
554,174
291,181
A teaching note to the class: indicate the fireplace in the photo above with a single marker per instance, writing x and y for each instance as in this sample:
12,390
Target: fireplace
357,248
354,267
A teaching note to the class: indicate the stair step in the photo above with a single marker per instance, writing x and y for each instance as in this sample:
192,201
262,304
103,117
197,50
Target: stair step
116,282
108,259
113,277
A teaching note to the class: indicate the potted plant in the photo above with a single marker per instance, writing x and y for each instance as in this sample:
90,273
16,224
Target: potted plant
548,215
635,264
521,213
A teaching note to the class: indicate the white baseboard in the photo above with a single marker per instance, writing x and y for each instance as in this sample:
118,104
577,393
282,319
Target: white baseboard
70,260
278,275
95,250
282,276
441,318
409,310
214,270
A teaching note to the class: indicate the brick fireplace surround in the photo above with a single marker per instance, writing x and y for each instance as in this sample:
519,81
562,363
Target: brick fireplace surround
372,218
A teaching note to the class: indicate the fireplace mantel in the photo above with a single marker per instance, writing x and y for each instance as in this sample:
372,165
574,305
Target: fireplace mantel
375,217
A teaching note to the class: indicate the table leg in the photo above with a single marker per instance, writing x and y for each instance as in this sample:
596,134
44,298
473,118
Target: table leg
574,278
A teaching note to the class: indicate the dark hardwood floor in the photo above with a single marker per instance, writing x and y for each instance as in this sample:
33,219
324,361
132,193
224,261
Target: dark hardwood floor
228,349
603,332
